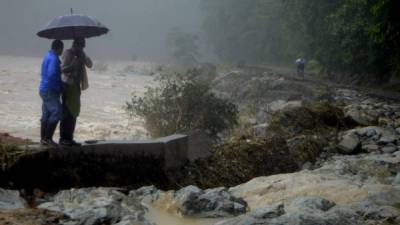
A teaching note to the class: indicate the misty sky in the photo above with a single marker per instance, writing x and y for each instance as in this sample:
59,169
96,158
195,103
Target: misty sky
138,27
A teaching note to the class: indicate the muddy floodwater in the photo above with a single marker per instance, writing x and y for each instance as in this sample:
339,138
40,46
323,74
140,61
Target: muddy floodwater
161,217
102,113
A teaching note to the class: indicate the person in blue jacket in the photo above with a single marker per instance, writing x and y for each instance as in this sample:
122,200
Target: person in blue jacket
50,91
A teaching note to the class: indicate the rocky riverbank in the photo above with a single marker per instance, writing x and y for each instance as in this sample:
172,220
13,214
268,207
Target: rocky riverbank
319,159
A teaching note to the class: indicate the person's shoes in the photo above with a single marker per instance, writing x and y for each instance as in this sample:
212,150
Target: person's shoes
69,143
48,142
43,128
43,142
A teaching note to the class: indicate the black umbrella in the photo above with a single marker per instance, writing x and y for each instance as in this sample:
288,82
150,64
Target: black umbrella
73,26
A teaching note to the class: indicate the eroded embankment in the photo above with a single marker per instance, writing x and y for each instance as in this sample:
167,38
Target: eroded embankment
296,136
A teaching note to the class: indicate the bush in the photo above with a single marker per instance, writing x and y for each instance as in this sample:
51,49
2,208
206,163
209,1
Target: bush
181,103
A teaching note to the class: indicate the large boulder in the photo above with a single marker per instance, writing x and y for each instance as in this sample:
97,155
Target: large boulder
303,211
92,206
10,199
194,202
382,206
350,143
360,117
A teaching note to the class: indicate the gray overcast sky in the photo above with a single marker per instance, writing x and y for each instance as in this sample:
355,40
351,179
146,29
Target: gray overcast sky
138,27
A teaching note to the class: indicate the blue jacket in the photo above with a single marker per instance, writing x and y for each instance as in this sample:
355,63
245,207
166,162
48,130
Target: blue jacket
51,73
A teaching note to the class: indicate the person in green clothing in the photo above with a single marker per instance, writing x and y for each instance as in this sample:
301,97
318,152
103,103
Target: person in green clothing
75,80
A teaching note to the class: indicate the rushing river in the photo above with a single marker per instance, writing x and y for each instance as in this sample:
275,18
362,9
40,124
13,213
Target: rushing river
102,115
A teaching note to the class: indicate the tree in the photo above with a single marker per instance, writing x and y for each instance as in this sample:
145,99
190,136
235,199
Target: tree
345,36
183,103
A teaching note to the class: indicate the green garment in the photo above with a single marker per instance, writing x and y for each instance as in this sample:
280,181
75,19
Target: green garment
72,97
74,70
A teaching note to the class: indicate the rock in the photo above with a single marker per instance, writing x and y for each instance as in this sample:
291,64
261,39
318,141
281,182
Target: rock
389,149
278,215
342,168
398,130
371,132
387,139
261,116
359,117
280,104
33,216
269,212
382,213
211,203
380,206
92,206
383,121
10,199
396,122
147,194
260,130
349,144
396,180
310,204
370,148
307,166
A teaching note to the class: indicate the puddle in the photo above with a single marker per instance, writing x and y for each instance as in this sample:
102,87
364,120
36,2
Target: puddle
161,217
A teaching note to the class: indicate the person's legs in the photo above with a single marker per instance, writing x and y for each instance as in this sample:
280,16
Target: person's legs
53,113
301,70
67,128
44,118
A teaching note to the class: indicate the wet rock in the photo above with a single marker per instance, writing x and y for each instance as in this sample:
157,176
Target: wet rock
396,180
278,215
370,148
280,104
311,204
342,168
211,203
382,213
146,194
32,216
359,117
349,144
269,212
260,130
380,206
10,199
93,206
387,139
389,149
369,131
261,116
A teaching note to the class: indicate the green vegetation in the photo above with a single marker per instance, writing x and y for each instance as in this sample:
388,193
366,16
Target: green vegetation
9,154
245,158
343,36
312,118
180,103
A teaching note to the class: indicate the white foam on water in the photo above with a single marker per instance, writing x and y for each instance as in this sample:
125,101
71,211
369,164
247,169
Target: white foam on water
102,114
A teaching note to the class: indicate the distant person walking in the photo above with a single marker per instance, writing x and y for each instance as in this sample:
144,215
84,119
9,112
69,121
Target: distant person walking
300,62
50,91
75,80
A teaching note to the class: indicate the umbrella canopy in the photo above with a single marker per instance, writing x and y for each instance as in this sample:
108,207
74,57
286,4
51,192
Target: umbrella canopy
73,26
